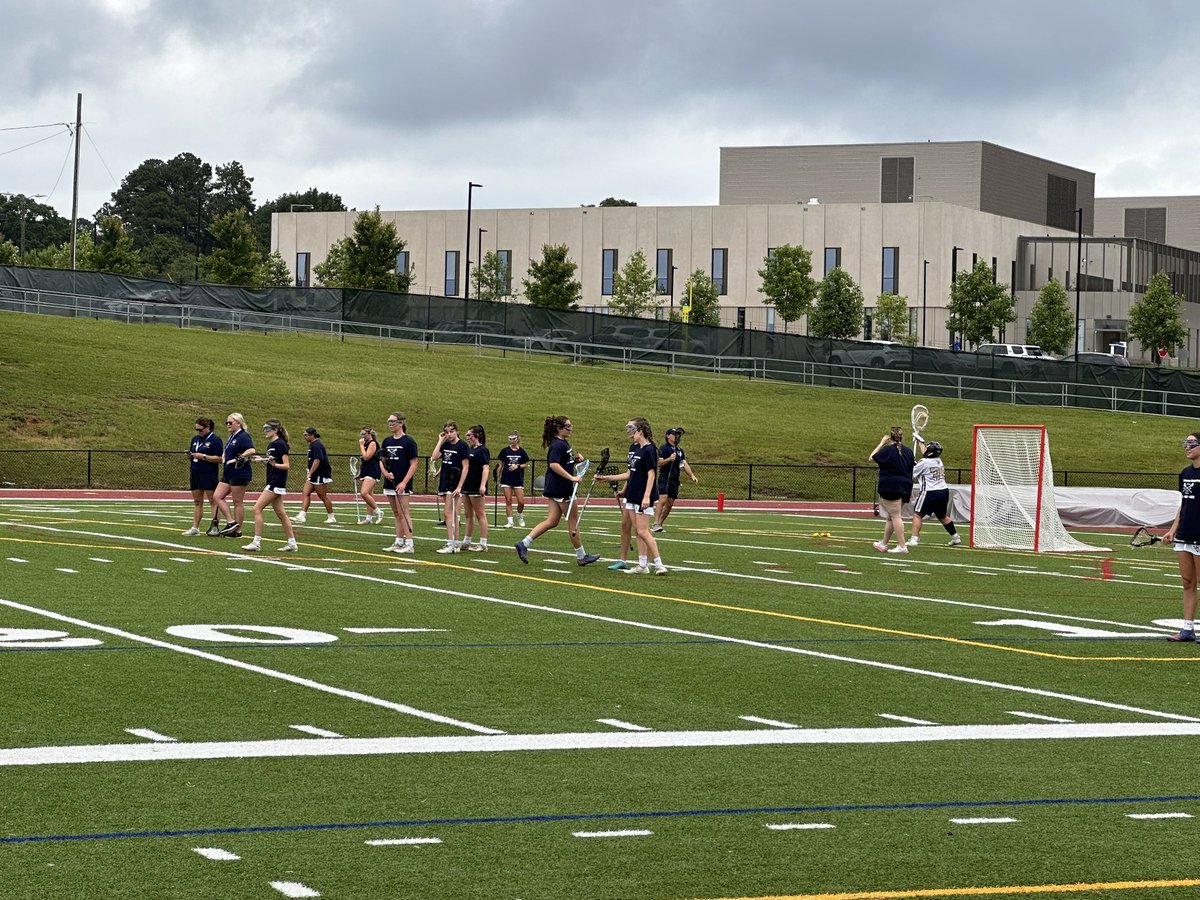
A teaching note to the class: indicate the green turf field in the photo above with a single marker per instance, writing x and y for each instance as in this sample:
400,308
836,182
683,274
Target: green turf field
785,714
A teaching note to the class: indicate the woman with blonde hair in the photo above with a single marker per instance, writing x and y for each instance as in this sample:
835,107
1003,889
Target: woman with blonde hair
399,467
896,463
278,463
235,476
368,474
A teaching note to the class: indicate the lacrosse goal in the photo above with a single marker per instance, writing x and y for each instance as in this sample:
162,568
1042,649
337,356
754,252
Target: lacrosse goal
1012,492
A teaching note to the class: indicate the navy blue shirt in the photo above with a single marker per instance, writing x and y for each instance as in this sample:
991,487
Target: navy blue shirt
237,444
1189,506
556,486
670,472
369,468
316,451
510,457
477,470
896,464
398,454
643,461
453,457
209,445
276,451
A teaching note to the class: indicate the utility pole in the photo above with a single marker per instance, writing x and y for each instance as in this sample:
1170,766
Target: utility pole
75,190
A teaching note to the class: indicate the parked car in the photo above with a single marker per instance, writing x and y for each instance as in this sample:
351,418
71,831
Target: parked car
1101,359
1024,351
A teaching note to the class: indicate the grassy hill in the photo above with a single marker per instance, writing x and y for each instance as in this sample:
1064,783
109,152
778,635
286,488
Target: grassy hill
78,383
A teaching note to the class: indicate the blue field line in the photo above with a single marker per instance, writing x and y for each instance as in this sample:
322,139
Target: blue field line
599,817
517,645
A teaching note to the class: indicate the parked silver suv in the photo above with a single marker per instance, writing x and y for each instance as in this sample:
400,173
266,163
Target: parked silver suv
1024,351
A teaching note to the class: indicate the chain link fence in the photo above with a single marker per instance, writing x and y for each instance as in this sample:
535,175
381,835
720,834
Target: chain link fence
161,470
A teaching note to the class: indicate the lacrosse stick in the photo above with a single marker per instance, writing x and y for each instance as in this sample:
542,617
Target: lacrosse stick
1143,538
588,495
920,418
581,469
354,482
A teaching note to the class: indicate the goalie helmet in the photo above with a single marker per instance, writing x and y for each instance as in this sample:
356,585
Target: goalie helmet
933,449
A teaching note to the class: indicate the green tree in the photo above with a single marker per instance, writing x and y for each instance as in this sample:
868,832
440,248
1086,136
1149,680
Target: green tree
236,259
366,259
1051,322
275,272
635,289
891,319
114,251
704,303
613,201
311,200
787,281
1154,319
231,189
838,312
10,253
551,282
979,307
44,227
492,279
165,199
59,257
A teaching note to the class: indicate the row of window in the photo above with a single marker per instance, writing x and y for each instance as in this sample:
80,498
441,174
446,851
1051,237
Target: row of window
664,269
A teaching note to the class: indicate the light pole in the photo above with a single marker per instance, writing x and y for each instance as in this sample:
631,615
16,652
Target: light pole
924,296
479,256
467,253
1078,265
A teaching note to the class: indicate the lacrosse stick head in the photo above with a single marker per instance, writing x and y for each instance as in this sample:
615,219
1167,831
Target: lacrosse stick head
435,465
604,457
1142,538
920,417
354,467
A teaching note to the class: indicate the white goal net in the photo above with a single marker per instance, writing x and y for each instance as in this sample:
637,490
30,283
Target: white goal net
1012,492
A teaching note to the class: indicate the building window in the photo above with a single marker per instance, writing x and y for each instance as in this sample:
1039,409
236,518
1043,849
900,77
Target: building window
770,318
610,269
402,262
720,266
1060,202
833,258
303,274
912,319
896,179
890,283
868,322
663,270
451,273
504,258
1148,224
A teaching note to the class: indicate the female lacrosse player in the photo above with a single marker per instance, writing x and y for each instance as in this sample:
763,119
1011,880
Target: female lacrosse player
559,490
272,495
235,476
453,451
511,464
368,474
399,466
671,459
895,485
933,497
475,487
641,490
1185,532
317,478
205,454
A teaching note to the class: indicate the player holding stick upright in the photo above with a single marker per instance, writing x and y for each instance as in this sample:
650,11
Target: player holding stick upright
1185,532
641,490
399,462
452,450
559,490
933,496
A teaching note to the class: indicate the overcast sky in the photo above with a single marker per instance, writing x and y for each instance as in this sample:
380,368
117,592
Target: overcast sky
545,103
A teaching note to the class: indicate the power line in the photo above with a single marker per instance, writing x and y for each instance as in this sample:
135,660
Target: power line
33,143
28,127
102,162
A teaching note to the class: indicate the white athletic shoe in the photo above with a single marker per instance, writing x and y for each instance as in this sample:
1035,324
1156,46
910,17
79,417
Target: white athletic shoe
253,546
367,521
393,548
476,548
299,518
378,516
191,532
660,570
331,520
508,524
913,541
899,548
955,541
638,570
880,546
657,529
289,547
406,548
521,521
448,548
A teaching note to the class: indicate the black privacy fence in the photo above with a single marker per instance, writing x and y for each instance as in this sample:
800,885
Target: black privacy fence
168,470
587,337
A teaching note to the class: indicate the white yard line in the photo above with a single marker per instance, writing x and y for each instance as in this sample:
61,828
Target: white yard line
799,826
1037,717
998,820
155,571
314,730
1174,815
401,842
392,630
17,559
907,719
588,741
774,723
151,735
763,645
216,854
250,667
294,889
626,832
626,726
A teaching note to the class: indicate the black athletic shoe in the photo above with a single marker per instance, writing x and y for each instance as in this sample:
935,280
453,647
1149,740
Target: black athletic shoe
229,528
522,551
236,533
588,559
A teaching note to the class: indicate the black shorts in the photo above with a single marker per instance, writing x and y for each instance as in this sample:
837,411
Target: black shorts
204,481
935,503
669,489
892,495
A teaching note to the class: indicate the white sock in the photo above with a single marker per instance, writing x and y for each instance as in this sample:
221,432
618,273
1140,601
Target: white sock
580,553
527,541
642,561
658,562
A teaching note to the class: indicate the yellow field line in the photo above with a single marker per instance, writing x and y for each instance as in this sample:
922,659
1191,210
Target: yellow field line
989,891
724,607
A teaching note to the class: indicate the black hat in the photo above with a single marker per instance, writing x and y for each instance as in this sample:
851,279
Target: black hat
312,431
676,431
